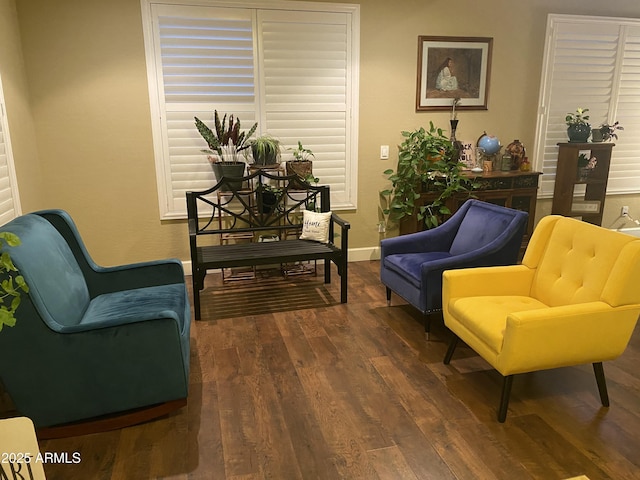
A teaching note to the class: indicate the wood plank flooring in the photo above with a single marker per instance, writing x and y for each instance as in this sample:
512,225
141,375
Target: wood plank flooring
287,383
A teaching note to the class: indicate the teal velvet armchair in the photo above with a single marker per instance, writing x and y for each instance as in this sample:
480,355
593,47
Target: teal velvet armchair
92,341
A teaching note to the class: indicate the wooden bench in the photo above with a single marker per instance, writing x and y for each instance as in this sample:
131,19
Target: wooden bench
257,220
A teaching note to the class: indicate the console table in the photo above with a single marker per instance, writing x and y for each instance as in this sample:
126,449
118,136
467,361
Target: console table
513,189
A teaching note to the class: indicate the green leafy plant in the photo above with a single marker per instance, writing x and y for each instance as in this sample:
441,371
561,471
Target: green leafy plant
424,164
578,117
11,284
301,154
226,133
265,149
609,131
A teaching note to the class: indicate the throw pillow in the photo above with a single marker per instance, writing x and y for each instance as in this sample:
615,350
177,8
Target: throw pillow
315,226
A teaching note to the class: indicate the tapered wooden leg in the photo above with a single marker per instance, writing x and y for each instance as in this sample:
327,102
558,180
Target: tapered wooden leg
388,297
452,346
504,400
427,325
602,383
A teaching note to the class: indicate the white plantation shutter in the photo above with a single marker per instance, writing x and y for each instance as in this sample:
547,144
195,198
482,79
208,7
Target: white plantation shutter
591,63
307,72
204,61
293,72
626,153
9,199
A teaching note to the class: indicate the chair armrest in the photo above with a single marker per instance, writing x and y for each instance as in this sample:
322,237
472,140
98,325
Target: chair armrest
342,223
481,281
435,240
136,275
565,335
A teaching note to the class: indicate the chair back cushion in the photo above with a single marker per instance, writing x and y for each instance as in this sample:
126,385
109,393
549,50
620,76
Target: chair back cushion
482,224
56,284
578,261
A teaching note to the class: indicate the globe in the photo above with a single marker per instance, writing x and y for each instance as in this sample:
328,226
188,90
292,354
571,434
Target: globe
489,144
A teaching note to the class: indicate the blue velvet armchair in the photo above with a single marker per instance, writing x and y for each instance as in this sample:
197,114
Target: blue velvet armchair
478,234
91,341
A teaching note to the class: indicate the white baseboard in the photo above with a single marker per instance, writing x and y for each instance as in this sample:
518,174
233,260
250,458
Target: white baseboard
355,255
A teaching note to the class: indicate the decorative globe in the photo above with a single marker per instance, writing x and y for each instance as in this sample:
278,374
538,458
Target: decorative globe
489,144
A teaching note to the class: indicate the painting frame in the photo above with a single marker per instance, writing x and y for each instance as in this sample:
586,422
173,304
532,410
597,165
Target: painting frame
453,67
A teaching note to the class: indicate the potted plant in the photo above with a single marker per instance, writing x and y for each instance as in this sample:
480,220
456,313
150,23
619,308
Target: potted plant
609,131
578,128
225,143
11,284
265,150
585,166
268,197
301,165
425,164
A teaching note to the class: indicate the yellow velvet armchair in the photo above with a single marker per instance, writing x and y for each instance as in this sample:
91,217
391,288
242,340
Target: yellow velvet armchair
573,300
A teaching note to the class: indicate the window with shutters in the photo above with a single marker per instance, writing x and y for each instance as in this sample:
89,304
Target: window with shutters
591,62
295,72
9,198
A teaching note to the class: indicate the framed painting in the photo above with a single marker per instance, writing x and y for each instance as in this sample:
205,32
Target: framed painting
453,67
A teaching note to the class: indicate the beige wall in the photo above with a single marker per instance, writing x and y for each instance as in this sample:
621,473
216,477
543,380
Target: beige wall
88,89
21,126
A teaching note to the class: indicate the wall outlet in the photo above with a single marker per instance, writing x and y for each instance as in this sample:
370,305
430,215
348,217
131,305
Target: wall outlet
381,227
624,211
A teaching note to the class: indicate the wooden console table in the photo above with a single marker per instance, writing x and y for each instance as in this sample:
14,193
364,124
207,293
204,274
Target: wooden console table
512,189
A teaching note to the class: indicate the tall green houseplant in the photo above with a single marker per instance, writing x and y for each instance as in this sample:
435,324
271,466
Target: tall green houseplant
11,284
425,163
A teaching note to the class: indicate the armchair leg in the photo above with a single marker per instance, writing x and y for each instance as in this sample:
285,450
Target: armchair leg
452,346
388,297
602,383
504,400
427,325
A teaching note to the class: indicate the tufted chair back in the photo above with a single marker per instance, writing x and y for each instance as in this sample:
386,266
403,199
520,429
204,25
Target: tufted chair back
574,261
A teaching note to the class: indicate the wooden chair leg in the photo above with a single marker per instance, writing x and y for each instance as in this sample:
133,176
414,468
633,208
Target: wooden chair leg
452,346
388,297
504,399
602,383
427,325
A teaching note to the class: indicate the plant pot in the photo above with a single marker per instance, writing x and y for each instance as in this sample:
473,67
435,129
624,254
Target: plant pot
597,135
583,173
229,169
578,132
266,159
302,168
267,201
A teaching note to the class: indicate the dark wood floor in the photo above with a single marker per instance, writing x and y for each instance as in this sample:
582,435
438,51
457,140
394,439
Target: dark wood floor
287,383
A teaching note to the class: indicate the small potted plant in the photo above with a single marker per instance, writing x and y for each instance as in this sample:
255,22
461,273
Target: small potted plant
268,197
585,166
301,165
609,131
266,151
578,128
225,144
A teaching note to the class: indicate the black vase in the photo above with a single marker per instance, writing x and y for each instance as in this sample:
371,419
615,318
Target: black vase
579,132
457,145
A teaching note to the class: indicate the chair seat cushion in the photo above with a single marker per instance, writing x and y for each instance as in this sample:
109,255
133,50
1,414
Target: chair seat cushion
409,265
486,316
149,303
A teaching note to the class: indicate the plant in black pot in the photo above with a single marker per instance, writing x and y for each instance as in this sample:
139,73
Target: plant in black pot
578,128
609,131
225,143
268,197
266,151
426,163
